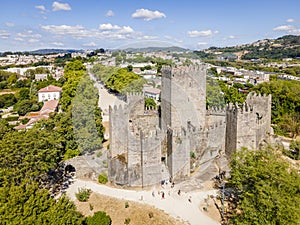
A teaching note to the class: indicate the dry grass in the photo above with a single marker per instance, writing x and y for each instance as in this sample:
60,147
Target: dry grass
115,208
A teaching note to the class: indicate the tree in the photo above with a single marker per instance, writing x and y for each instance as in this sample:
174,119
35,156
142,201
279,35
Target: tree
285,104
85,113
7,100
129,68
121,79
294,151
23,94
291,124
99,218
149,102
266,189
28,204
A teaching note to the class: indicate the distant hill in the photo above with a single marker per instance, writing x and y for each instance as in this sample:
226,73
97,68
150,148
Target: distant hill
49,51
284,47
157,49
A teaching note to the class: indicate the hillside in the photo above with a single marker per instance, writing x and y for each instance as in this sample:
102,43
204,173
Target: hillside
282,47
157,49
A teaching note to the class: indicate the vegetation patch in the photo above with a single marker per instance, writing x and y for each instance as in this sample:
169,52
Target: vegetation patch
102,178
83,194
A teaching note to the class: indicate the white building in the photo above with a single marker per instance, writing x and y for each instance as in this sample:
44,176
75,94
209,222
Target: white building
48,93
151,92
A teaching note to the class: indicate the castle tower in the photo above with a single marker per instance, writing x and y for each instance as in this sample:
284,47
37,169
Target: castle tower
183,96
135,144
183,110
248,125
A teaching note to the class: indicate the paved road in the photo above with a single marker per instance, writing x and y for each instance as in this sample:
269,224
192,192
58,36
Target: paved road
173,204
106,99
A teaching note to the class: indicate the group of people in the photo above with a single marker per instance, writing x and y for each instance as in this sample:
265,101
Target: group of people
162,193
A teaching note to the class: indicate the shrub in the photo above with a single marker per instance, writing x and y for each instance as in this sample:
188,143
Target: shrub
91,207
150,214
102,178
126,205
99,218
83,194
192,155
127,221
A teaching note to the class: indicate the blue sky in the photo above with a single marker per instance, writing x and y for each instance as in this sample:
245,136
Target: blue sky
193,24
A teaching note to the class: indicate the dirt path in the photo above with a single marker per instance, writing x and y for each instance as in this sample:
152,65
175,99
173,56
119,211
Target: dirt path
178,206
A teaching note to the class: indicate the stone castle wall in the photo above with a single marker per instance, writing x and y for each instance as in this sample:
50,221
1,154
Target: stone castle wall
144,142
248,125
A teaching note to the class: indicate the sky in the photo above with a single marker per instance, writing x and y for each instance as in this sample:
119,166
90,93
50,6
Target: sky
27,25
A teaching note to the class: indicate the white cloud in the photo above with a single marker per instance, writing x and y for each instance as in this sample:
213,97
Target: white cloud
288,29
146,37
58,44
90,44
290,20
18,39
8,24
173,39
126,30
147,15
283,28
56,6
32,40
4,34
203,33
110,13
41,8
77,30
231,37
28,34
108,26
294,31
201,43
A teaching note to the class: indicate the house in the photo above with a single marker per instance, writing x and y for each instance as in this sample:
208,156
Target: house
41,76
48,93
48,107
151,92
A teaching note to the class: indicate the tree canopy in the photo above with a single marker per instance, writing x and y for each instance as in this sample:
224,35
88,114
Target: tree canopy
285,104
266,189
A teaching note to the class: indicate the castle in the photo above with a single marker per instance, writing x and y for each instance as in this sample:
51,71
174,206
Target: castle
150,145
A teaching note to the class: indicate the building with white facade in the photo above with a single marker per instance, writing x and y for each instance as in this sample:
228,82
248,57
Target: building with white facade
151,92
48,93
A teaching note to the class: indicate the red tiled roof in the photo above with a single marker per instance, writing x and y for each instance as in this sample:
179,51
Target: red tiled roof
49,106
152,90
50,88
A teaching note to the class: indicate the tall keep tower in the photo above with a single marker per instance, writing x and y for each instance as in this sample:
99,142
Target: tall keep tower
183,111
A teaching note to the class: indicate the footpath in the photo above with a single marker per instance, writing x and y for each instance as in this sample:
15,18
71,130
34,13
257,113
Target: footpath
182,205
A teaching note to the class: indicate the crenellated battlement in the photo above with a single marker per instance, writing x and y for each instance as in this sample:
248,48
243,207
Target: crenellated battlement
216,111
150,138
118,109
179,72
253,95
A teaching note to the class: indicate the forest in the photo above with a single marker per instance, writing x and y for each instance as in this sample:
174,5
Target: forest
28,156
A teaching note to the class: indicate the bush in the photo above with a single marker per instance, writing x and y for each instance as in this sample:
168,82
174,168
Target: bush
192,155
99,218
126,205
102,178
150,214
127,221
83,194
12,118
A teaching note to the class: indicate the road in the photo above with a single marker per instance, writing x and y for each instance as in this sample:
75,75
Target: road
106,99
